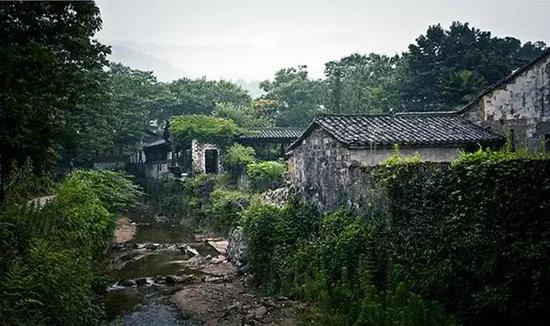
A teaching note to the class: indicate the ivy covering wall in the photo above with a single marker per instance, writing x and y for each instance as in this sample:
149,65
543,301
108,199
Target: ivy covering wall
475,234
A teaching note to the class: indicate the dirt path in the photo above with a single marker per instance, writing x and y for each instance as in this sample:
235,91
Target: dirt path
163,279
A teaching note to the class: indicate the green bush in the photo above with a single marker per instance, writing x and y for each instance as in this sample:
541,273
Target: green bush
266,175
23,185
238,157
224,209
334,261
400,306
49,257
115,190
204,200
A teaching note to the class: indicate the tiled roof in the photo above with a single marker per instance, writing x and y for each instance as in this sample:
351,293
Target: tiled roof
410,129
273,133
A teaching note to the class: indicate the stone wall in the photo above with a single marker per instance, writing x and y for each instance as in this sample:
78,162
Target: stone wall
521,104
331,176
322,171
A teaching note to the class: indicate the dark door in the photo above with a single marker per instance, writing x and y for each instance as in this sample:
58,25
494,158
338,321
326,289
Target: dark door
211,161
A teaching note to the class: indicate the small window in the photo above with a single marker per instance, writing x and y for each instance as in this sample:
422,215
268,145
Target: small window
547,143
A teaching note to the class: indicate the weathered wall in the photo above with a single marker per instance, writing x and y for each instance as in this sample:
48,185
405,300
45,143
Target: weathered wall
430,154
321,170
331,175
521,105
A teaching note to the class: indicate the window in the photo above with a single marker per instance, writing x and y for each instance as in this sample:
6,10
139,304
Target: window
547,143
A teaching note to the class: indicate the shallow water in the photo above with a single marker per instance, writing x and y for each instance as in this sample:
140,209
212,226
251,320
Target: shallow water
141,306
150,305
163,233
153,264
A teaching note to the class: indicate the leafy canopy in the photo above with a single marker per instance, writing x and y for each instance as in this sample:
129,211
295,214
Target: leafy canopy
50,66
205,129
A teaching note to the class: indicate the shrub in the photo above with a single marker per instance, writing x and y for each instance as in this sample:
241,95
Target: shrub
48,273
266,175
224,208
238,157
400,306
333,261
23,185
115,190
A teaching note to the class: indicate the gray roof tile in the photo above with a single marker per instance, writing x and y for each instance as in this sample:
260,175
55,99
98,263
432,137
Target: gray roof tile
406,129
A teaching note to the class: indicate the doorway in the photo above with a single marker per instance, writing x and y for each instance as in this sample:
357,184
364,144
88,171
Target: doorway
211,161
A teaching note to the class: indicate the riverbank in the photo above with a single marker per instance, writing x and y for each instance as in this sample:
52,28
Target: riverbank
167,274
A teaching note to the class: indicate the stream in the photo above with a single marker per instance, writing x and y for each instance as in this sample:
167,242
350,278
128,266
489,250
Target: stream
166,274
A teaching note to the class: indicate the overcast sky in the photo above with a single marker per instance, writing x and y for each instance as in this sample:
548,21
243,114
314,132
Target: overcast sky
252,39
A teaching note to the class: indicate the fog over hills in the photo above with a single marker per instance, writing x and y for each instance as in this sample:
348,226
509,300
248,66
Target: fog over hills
245,64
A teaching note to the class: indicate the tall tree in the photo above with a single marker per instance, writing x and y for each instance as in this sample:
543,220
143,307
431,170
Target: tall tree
362,83
298,98
50,65
442,54
120,116
200,96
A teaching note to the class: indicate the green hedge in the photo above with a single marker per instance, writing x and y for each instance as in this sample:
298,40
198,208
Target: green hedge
475,235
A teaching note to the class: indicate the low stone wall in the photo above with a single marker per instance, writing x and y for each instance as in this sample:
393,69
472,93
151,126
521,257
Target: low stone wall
354,187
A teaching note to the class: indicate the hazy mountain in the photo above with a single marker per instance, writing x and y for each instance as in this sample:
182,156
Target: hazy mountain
237,61
163,70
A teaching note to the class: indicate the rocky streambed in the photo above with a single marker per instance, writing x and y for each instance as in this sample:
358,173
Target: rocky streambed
165,274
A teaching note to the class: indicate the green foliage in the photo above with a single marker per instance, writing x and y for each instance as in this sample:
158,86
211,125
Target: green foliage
266,174
224,208
272,234
473,234
200,96
337,261
203,199
166,196
298,97
397,159
399,306
48,69
204,129
362,84
445,68
115,190
245,116
49,255
23,185
238,157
